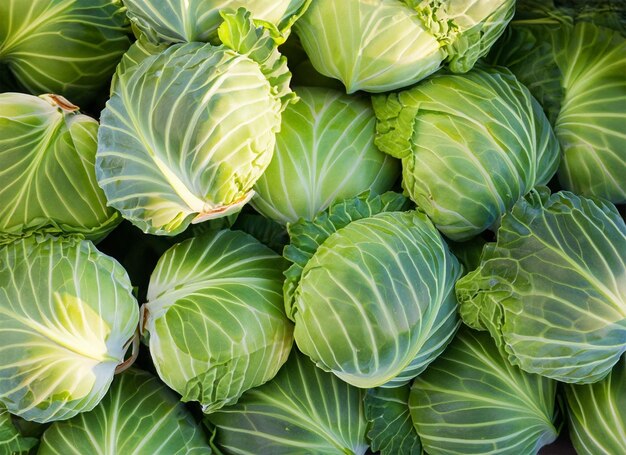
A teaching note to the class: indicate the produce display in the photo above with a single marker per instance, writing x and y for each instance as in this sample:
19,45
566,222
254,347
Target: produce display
312,227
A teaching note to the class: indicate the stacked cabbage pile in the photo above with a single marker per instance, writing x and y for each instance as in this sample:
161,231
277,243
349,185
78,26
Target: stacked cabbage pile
312,226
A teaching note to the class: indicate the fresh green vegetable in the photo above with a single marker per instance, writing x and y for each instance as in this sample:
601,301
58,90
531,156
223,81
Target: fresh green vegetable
188,131
67,316
302,410
597,413
551,289
68,47
471,145
214,321
47,155
253,208
383,45
470,400
324,153
575,67
371,290
198,20
138,415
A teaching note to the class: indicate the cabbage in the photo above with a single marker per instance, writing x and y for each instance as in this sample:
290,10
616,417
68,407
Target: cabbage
470,400
324,153
138,415
552,289
596,413
575,67
68,47
47,155
371,290
67,315
214,320
253,208
467,28
471,145
383,45
302,410
198,20
189,130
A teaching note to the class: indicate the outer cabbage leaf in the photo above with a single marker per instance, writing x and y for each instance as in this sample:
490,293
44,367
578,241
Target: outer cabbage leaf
188,131
471,145
69,47
374,302
138,415
12,441
302,410
324,153
552,289
575,67
215,320
532,51
470,400
590,125
198,20
371,45
66,315
47,155
391,429
597,413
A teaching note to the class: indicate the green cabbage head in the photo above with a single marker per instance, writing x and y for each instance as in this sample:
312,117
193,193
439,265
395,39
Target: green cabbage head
47,158
174,21
596,413
215,320
188,131
552,289
471,400
67,315
471,145
575,66
371,290
138,415
324,153
68,47
302,410
382,45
